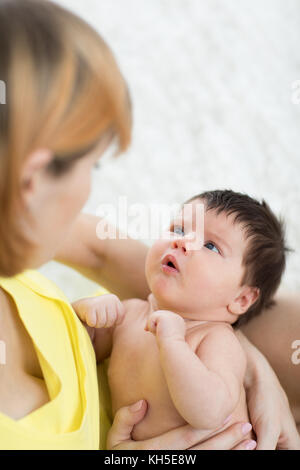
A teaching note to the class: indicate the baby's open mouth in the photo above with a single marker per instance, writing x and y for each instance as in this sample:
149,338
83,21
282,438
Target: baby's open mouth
170,264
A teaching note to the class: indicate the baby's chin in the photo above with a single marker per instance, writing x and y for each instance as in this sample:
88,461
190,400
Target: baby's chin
170,295
168,300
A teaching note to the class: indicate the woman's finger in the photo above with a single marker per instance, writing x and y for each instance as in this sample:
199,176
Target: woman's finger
246,445
185,437
267,437
267,442
177,439
180,438
228,439
126,417
283,437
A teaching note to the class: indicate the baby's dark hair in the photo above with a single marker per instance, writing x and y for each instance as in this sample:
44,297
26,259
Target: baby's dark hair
265,256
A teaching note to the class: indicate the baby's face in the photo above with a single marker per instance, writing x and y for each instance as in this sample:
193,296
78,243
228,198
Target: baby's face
208,278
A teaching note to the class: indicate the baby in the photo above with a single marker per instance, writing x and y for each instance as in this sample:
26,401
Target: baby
178,349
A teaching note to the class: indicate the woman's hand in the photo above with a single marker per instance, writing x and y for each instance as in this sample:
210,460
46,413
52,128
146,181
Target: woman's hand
268,405
184,437
270,413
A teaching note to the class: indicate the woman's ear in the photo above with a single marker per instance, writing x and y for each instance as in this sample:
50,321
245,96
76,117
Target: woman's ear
36,162
34,189
244,300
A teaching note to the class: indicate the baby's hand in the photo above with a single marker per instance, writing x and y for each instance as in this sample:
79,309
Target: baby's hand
102,311
166,325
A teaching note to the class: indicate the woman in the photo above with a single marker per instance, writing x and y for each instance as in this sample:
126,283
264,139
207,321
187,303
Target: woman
66,101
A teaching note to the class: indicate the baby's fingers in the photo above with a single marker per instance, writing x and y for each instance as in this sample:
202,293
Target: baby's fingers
109,312
91,318
101,318
86,312
111,316
151,324
114,312
96,318
120,312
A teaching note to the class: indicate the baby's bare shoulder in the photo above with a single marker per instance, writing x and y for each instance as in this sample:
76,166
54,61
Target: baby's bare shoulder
221,333
221,338
134,305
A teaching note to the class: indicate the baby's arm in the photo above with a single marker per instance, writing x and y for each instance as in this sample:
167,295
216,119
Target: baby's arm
205,386
100,315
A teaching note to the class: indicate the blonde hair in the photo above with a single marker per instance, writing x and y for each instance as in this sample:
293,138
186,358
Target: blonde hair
64,92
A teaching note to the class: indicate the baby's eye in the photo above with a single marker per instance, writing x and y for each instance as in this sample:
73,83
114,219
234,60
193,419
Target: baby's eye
211,246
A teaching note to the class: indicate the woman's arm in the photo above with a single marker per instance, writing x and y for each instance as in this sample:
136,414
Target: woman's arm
268,405
273,333
116,264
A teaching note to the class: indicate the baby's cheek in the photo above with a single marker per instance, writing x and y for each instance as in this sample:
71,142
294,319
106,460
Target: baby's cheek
203,275
148,266
154,255
206,285
151,273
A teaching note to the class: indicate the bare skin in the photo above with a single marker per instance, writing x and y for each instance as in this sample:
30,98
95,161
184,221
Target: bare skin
125,419
273,333
108,260
156,358
107,264
23,390
193,373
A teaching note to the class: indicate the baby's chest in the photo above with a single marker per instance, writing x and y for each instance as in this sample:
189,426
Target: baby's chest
134,362
135,369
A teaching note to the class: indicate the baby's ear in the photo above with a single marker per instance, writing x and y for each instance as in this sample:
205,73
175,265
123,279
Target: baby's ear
247,296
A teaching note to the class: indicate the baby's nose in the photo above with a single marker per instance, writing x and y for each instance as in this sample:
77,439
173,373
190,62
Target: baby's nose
190,242
180,243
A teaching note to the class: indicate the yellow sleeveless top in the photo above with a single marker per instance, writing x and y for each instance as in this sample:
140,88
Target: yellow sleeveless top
70,420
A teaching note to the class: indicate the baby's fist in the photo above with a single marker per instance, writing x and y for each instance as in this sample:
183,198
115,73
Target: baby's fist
102,311
166,325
